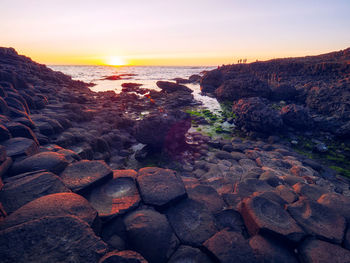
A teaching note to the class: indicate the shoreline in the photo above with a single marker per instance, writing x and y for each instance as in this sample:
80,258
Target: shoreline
63,154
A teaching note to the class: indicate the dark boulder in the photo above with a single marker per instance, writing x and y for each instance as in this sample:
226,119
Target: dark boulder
268,250
25,188
4,133
211,81
230,247
20,130
50,161
82,176
20,147
296,116
160,187
149,233
192,222
253,114
189,254
165,130
314,250
284,92
51,239
170,87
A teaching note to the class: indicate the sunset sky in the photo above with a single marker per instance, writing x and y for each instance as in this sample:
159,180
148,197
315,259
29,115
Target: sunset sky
164,32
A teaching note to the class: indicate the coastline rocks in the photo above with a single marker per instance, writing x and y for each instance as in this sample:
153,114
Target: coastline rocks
249,86
230,247
160,187
50,161
283,92
51,239
59,204
149,233
83,175
192,222
262,215
254,115
170,87
116,196
211,81
296,116
25,188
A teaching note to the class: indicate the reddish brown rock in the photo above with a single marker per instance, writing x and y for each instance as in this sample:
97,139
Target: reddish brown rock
126,256
84,175
230,247
160,187
53,205
116,196
336,202
262,215
317,251
318,220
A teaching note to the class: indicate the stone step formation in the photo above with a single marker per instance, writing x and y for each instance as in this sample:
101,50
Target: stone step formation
66,195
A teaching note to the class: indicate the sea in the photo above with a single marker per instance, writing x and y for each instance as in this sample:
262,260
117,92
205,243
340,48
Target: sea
146,75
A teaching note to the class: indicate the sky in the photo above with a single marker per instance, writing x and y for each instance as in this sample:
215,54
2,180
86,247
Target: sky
167,32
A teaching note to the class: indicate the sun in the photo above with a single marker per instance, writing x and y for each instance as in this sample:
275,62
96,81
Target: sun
115,61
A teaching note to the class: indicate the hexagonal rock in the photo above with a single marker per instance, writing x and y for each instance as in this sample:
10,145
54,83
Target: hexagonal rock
50,161
230,247
160,187
27,188
189,254
286,194
318,220
231,219
82,176
249,186
20,147
116,196
125,256
262,215
51,239
208,196
53,205
192,222
149,233
312,192
317,251
267,250
336,202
